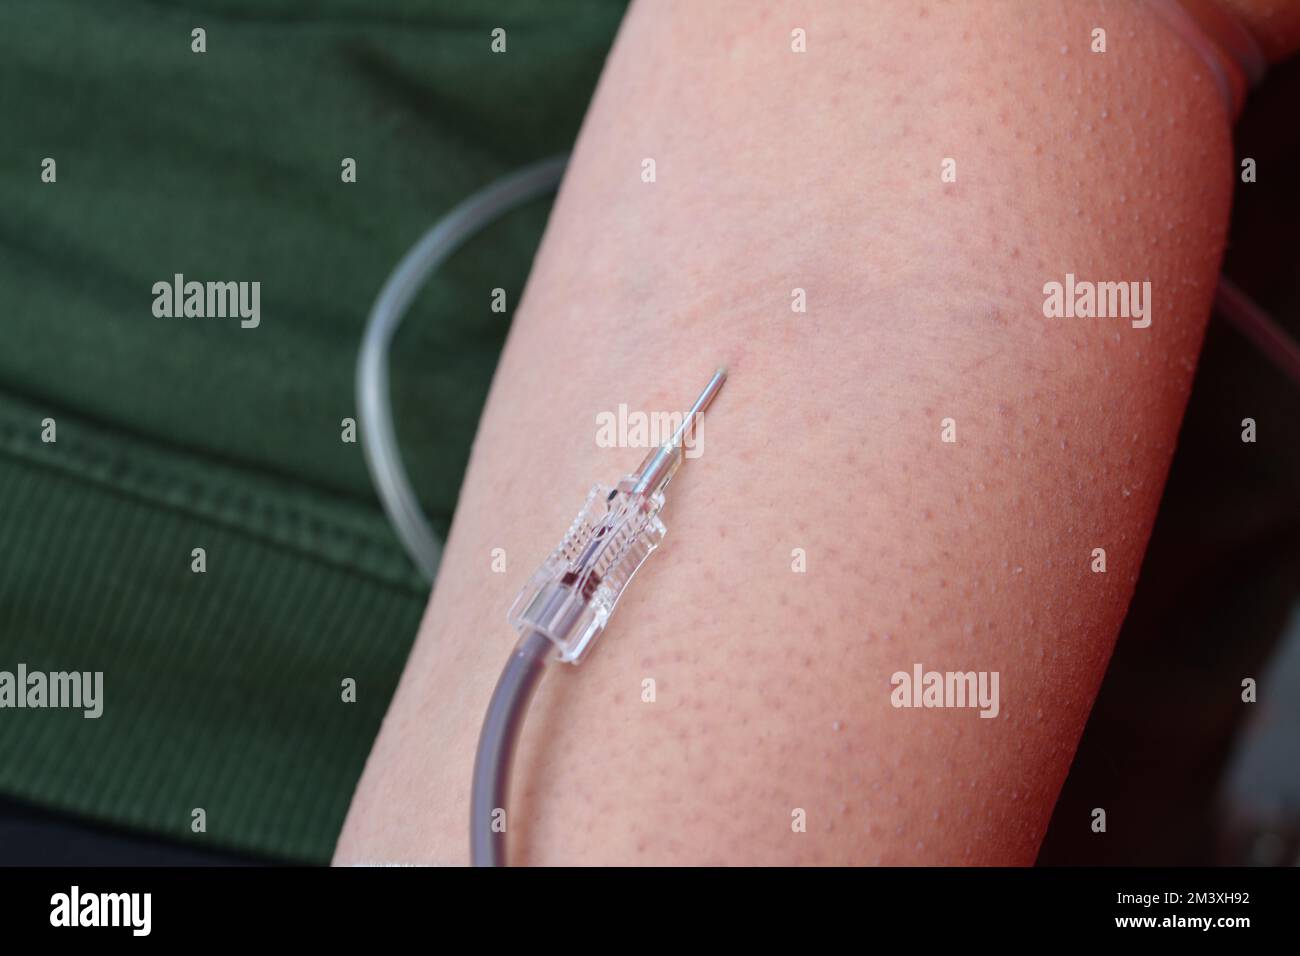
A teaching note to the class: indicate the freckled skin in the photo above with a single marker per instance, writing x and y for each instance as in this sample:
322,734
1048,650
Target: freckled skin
821,171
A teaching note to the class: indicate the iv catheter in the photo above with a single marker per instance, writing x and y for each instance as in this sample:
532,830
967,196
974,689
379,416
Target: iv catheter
564,607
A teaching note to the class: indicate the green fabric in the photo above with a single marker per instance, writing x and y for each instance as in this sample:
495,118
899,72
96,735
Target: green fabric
223,689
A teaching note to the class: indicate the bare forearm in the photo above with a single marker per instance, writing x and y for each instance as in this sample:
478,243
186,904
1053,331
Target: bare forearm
821,171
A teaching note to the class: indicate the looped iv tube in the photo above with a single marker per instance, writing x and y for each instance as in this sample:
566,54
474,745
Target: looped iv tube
564,607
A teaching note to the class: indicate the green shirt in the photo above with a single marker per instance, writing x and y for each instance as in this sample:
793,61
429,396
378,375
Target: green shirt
224,689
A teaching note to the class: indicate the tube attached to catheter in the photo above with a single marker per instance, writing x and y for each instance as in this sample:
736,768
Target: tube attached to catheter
564,607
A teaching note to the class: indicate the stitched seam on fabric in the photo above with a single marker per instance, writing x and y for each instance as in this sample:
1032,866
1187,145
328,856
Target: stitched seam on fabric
264,515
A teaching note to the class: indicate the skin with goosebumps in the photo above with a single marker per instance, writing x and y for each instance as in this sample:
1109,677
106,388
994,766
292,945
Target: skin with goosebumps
820,171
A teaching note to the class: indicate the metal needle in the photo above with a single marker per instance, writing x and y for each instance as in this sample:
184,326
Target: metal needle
660,465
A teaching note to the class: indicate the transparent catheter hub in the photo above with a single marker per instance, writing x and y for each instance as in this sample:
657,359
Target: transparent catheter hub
573,594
